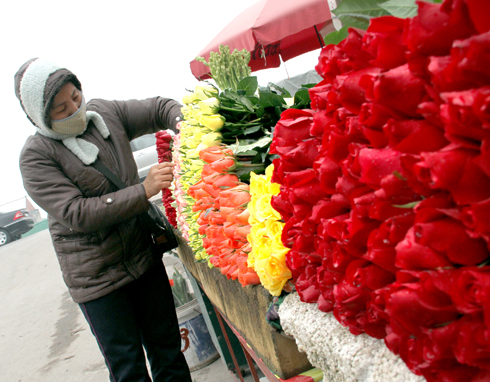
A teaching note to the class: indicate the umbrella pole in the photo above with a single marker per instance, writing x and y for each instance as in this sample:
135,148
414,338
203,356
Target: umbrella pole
319,37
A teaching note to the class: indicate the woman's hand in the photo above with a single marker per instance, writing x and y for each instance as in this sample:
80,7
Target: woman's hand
159,177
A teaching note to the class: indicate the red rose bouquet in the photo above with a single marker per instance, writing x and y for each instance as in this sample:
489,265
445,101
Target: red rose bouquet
164,139
385,187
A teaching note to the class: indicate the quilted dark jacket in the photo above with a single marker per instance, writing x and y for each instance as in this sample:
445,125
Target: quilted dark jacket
97,232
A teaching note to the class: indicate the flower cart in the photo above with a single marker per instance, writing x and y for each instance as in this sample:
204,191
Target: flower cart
368,193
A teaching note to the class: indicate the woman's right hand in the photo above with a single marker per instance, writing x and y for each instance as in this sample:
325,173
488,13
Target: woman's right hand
159,177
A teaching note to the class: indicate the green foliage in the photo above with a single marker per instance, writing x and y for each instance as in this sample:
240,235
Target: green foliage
336,36
228,68
248,85
400,8
357,13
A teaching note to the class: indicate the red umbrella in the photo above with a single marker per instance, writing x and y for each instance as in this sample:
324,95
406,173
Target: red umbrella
269,29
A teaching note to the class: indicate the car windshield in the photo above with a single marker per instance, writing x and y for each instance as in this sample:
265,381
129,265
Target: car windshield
143,142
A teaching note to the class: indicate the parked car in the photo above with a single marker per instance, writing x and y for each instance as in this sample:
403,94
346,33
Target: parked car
145,153
13,224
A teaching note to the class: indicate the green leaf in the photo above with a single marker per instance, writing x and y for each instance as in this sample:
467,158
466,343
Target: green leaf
400,8
282,91
302,97
408,205
241,148
355,22
357,13
247,103
268,99
360,8
249,85
336,36
251,129
309,86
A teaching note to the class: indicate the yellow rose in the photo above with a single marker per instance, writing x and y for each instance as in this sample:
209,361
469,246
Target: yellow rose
189,98
261,247
212,139
262,252
263,207
214,122
274,228
273,274
268,172
258,230
209,106
205,92
258,185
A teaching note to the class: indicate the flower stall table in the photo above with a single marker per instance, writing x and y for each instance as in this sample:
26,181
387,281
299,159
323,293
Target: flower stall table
244,310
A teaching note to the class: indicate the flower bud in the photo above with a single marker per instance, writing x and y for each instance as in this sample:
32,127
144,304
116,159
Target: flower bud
214,122
205,92
212,139
209,106
189,98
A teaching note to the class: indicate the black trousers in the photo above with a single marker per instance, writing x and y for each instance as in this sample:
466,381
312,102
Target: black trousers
140,314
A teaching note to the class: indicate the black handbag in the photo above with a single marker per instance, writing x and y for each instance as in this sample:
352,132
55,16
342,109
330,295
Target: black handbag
161,231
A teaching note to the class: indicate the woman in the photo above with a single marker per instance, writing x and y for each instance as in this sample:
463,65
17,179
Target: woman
104,252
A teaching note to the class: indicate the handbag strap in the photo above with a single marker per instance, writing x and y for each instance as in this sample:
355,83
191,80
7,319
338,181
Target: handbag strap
120,184
109,174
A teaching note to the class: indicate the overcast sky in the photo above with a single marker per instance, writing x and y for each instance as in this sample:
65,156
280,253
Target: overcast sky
117,49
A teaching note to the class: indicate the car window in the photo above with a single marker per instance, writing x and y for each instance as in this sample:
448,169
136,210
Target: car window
143,142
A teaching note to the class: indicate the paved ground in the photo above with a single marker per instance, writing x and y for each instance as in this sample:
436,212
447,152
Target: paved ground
43,335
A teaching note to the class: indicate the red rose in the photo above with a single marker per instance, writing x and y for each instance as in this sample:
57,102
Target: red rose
462,123
383,40
477,218
470,289
373,115
307,285
321,96
378,163
414,136
329,208
281,204
328,172
293,127
414,302
439,243
305,186
473,342
383,240
479,10
350,94
432,31
456,170
321,122
343,58
397,89
300,157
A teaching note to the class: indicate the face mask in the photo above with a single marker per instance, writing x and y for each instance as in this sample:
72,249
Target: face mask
74,125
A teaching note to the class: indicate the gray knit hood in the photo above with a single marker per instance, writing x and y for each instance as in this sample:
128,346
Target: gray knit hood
36,84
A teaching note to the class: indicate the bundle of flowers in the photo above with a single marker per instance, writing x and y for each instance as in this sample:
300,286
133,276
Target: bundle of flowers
163,142
179,193
221,200
199,130
268,254
385,187
213,181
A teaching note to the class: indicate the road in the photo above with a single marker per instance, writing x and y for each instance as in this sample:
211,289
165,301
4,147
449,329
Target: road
43,335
